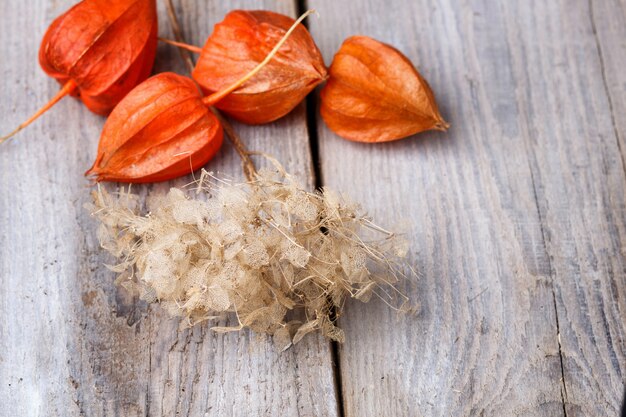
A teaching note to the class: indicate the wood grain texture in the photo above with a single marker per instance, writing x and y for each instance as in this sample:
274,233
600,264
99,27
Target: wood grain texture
71,343
517,222
574,134
517,212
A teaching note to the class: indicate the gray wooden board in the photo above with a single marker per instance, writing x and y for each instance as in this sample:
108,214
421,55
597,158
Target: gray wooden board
516,218
565,99
517,212
70,342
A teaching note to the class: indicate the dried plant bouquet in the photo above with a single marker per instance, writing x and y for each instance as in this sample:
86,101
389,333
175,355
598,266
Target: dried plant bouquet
258,249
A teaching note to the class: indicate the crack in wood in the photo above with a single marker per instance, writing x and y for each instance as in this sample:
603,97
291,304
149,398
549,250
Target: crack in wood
311,123
552,279
605,82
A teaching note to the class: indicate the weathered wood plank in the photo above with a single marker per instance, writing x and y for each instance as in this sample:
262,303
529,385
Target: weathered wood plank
70,342
517,211
608,24
570,106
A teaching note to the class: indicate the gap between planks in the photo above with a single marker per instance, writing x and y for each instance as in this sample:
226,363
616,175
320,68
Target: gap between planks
311,124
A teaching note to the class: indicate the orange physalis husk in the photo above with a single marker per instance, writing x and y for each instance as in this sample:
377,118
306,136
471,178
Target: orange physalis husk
99,50
243,40
160,130
375,94
164,128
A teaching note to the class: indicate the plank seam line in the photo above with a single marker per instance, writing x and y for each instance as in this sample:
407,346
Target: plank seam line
316,171
334,354
605,82
558,339
311,120
531,160
311,115
552,279
311,124
148,381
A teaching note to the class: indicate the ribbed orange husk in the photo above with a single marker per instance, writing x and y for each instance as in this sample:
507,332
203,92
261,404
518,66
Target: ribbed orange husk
106,47
375,94
242,41
159,131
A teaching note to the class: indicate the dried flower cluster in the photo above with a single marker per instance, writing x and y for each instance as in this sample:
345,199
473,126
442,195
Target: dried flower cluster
258,249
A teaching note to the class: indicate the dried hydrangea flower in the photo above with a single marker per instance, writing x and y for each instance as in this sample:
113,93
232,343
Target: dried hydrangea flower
257,249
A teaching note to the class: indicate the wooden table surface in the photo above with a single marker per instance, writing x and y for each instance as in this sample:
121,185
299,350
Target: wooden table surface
516,219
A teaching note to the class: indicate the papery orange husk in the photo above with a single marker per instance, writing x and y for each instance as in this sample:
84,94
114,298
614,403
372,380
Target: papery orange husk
375,94
105,47
240,42
98,51
159,131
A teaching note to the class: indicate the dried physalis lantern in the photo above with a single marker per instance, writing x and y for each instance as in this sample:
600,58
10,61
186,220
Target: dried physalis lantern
160,130
243,40
99,50
164,128
375,94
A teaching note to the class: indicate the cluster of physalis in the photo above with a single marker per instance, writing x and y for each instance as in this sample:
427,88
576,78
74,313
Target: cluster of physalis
264,247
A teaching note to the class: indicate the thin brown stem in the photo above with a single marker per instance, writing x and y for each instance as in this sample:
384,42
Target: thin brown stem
67,88
249,169
178,34
191,48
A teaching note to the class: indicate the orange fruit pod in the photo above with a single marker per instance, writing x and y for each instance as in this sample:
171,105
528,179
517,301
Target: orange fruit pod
164,128
99,50
160,130
375,94
238,44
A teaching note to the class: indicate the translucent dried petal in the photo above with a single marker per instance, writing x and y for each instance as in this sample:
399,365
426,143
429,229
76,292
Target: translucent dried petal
200,267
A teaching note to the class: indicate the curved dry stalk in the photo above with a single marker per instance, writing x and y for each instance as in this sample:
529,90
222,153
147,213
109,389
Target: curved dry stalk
190,48
68,88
